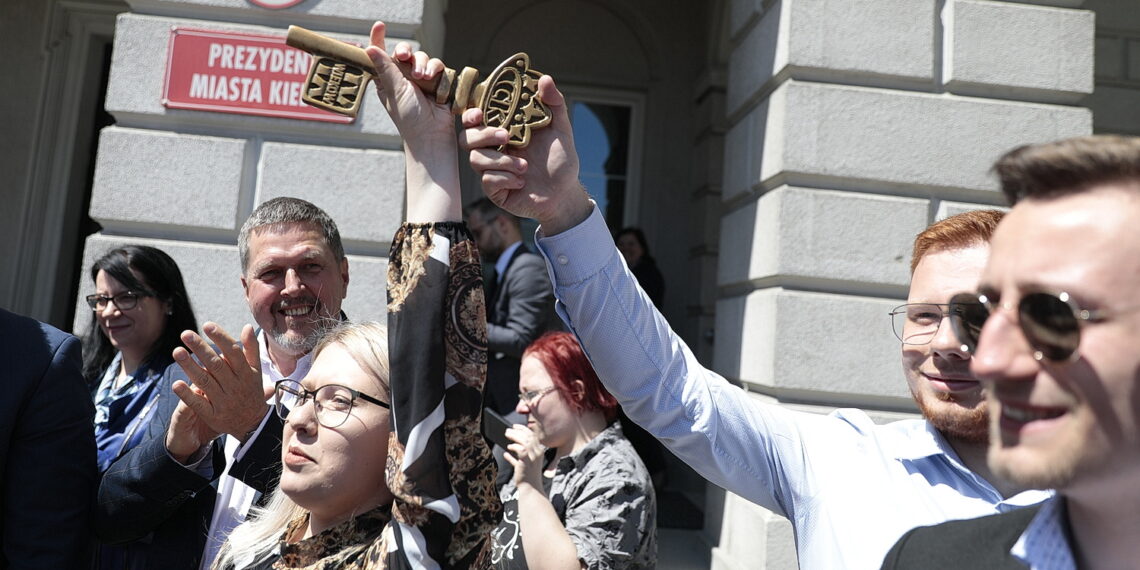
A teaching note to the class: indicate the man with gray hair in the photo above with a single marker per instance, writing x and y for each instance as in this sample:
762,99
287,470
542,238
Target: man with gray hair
214,447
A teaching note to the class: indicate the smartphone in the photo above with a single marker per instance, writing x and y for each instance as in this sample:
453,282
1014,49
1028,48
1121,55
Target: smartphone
495,428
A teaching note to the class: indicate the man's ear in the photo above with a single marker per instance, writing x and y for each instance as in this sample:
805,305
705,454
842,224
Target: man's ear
344,274
244,284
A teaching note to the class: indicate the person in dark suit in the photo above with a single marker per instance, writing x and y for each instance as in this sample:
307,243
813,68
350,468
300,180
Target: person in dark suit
1054,330
47,448
520,302
214,448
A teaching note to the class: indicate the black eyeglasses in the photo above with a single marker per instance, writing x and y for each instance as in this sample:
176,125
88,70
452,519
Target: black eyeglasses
124,301
332,401
918,323
1050,322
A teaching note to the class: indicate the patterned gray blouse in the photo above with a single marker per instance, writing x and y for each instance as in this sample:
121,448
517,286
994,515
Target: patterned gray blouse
604,498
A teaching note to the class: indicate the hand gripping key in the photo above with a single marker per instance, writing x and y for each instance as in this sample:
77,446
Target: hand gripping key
508,96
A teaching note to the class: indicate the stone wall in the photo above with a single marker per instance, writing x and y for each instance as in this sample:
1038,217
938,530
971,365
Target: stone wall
852,126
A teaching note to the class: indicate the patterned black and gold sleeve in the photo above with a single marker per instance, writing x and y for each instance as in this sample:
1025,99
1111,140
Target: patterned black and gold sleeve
439,466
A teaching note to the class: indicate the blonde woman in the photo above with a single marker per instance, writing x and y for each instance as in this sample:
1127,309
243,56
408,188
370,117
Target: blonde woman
379,475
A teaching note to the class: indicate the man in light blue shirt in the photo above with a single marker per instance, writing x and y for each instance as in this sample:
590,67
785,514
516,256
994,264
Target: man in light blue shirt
1054,326
850,487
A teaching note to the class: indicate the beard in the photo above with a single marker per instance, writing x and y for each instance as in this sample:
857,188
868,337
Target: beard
1055,468
970,425
299,344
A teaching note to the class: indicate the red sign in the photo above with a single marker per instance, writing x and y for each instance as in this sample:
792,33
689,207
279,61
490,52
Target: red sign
230,72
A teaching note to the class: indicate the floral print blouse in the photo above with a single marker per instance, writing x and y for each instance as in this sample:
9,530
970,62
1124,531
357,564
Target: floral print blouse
440,468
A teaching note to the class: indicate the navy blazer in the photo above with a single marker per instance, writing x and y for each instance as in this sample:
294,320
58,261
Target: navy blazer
47,448
519,311
971,544
163,509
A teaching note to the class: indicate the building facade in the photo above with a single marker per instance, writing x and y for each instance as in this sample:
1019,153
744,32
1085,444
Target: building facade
779,154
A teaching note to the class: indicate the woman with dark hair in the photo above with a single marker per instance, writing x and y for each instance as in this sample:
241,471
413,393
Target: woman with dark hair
140,306
580,497
633,247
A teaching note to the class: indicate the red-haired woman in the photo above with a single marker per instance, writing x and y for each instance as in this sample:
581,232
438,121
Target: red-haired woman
580,497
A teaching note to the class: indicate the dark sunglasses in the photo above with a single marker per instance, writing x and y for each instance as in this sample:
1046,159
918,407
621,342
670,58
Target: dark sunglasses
1050,322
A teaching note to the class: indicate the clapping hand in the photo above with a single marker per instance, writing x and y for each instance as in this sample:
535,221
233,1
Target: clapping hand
225,394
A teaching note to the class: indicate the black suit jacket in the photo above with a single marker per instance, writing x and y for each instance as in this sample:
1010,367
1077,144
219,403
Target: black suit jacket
972,544
520,309
47,448
163,509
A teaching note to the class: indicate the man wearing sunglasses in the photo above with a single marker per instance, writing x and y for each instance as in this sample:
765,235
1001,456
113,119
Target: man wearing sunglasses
1055,333
850,487
215,446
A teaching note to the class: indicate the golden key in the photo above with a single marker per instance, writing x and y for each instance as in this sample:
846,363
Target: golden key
508,97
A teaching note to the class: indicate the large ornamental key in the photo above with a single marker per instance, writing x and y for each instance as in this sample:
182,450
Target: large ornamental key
508,97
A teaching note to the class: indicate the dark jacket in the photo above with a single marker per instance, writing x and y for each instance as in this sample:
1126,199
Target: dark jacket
519,310
47,448
974,544
161,508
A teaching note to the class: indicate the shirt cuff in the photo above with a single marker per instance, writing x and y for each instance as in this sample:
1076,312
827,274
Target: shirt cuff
242,447
578,253
197,462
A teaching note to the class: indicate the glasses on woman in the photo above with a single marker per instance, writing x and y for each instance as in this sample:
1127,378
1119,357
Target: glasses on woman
124,301
332,401
532,397
1051,322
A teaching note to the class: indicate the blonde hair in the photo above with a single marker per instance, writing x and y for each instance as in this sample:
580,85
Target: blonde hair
256,539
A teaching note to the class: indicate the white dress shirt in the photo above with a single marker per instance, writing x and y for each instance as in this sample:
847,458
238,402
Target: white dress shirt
234,497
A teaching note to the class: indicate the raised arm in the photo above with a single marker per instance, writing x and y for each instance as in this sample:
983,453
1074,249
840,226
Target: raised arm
440,469
539,181
428,130
734,441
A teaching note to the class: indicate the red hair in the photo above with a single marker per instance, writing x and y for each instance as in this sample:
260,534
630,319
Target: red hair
959,231
565,362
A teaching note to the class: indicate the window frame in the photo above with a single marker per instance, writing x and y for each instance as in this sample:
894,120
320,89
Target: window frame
635,101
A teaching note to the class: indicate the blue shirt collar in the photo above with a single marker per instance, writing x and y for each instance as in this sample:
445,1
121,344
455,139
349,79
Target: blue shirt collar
505,258
1045,543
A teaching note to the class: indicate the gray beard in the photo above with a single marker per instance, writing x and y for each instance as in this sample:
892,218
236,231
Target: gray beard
305,344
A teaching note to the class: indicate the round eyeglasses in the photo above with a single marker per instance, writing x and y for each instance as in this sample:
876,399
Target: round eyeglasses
333,402
124,301
1051,322
917,323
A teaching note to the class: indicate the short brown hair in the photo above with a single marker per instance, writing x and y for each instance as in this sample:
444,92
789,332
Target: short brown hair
956,232
1067,166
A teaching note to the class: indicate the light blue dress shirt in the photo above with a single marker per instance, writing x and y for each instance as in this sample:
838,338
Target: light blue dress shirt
850,487
1044,544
